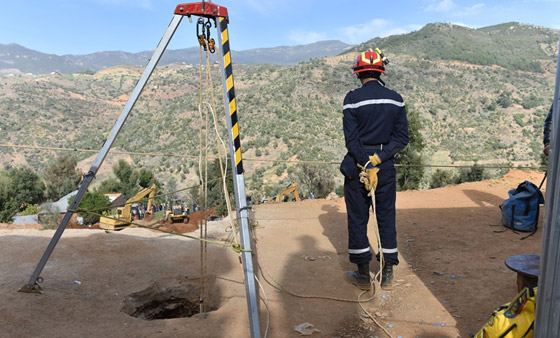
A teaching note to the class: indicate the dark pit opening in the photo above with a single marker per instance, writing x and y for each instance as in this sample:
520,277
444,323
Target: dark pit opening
173,300
168,308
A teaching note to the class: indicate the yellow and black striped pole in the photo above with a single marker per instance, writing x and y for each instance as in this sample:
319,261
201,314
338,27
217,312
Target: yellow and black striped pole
229,94
238,179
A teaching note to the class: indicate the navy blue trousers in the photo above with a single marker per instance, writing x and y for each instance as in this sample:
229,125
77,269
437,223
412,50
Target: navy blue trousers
358,205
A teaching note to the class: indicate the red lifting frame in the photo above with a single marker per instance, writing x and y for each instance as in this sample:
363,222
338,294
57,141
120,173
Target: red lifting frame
206,9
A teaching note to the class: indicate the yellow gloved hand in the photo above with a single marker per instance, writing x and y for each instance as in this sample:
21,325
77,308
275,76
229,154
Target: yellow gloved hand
375,160
369,178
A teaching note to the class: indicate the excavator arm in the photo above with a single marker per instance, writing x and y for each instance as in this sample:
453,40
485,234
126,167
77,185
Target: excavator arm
151,191
124,216
292,188
151,200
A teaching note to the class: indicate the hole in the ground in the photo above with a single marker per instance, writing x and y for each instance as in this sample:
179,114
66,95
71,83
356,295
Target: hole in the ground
165,300
167,308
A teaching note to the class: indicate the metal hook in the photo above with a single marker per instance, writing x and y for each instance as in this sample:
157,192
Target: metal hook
200,25
208,25
211,42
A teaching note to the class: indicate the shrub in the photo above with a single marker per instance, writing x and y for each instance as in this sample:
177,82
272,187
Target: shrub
31,209
473,174
48,218
316,179
339,191
93,204
440,178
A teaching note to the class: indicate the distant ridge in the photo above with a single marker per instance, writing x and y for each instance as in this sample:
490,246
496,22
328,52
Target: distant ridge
510,45
14,57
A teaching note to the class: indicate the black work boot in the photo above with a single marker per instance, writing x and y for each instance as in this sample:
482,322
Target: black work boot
359,278
387,277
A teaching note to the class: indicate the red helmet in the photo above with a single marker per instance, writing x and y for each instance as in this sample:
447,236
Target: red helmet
368,61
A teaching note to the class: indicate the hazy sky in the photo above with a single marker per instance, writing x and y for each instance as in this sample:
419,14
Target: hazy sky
87,26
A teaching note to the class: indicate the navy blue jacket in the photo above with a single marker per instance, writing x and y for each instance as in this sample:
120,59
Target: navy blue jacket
373,115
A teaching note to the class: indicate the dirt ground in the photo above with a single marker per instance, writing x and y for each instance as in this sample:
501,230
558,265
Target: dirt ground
97,284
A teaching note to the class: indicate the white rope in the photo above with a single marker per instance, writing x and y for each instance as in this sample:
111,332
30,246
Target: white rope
265,301
375,278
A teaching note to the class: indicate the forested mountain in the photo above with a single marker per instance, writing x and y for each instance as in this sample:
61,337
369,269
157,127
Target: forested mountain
481,96
16,58
509,45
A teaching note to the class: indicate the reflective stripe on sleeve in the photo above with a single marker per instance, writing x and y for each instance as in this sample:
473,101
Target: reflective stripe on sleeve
368,102
358,251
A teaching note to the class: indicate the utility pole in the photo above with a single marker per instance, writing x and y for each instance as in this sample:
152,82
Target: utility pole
547,316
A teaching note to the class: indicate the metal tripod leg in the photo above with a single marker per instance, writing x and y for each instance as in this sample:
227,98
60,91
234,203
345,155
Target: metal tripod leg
32,286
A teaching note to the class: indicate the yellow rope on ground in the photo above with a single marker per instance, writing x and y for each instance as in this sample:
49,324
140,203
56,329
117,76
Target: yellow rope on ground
236,248
279,286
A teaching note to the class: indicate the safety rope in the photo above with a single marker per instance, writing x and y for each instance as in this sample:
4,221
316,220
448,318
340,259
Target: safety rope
265,301
203,158
375,279
365,180
223,171
275,284
222,153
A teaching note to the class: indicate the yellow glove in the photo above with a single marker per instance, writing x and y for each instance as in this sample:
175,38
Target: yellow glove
369,178
375,160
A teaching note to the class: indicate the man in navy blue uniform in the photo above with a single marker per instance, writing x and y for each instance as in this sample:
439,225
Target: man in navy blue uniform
375,129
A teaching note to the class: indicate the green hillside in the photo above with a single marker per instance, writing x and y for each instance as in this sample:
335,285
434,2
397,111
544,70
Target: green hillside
483,92
509,45
482,95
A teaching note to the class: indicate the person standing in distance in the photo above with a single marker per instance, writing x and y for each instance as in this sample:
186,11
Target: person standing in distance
546,132
375,129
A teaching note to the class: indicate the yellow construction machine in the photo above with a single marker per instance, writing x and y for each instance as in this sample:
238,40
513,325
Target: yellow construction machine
177,211
122,216
292,188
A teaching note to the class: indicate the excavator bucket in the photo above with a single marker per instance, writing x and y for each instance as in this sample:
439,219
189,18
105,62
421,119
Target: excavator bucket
148,216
